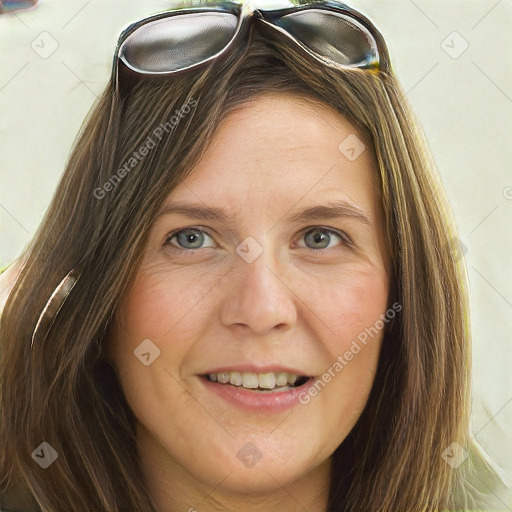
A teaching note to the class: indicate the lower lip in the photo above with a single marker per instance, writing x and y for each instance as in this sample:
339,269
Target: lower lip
276,401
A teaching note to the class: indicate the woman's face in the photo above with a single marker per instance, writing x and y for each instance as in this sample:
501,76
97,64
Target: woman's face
254,296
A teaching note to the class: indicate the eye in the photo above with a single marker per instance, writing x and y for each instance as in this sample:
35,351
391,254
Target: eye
187,239
190,239
319,236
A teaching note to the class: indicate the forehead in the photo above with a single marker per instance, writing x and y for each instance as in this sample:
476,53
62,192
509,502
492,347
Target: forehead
277,149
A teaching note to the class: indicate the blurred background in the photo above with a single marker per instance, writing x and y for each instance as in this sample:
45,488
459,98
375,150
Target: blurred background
453,58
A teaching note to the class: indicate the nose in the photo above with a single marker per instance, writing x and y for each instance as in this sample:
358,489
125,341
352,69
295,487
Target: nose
257,296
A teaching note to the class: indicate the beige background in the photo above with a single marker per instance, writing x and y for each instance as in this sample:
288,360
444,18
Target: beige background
56,59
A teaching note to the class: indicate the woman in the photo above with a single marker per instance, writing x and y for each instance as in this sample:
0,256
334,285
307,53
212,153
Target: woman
259,371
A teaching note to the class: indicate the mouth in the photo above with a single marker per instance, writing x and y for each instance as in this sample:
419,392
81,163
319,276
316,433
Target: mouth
259,382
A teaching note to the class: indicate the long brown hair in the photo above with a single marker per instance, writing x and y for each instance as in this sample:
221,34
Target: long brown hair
65,394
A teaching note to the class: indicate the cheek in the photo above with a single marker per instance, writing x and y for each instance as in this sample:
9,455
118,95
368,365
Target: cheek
162,304
148,309
350,305
161,307
362,307
353,308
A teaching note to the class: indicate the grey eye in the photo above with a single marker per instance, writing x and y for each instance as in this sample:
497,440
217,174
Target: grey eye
189,238
321,237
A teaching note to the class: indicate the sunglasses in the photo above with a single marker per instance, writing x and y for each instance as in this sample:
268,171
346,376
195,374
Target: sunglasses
179,40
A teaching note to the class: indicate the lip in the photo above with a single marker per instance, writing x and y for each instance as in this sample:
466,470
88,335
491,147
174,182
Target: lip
275,368
249,400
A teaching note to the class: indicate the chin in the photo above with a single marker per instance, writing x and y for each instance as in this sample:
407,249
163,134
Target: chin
260,479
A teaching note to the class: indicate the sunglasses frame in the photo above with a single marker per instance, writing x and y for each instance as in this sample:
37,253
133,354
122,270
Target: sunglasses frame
246,13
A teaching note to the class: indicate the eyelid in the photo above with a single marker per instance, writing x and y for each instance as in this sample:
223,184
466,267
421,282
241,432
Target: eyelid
338,232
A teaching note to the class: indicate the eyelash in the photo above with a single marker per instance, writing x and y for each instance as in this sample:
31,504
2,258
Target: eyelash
345,239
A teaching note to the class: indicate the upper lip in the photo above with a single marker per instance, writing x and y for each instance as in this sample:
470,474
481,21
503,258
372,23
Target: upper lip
271,368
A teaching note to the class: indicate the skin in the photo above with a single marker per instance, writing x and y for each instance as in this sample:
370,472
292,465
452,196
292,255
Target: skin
276,155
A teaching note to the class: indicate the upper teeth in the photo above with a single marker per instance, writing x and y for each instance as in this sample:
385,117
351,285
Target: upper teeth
253,380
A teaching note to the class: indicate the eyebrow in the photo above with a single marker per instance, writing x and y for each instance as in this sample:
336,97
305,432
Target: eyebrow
330,210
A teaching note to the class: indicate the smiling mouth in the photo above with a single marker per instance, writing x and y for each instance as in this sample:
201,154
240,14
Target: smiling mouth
263,382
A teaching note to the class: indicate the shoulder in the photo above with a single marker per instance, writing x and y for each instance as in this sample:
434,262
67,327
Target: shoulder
17,505
8,277
18,500
485,488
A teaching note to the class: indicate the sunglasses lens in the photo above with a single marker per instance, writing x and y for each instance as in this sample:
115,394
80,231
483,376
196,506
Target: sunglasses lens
177,42
335,36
